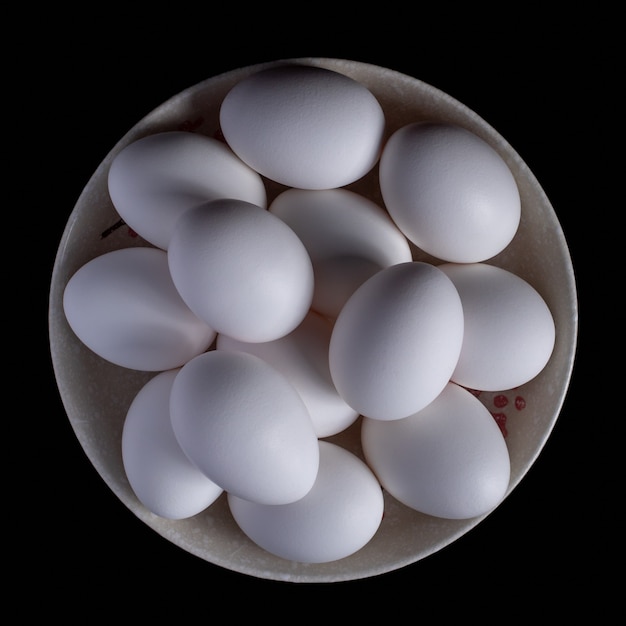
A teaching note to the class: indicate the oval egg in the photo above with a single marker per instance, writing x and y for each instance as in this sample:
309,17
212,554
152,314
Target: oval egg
449,192
153,180
448,460
242,268
124,306
397,340
347,236
160,474
509,330
304,126
244,425
302,356
339,515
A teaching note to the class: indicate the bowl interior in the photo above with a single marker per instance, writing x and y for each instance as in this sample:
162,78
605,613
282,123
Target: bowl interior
96,394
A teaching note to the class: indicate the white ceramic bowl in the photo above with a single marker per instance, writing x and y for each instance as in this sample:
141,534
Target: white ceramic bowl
96,394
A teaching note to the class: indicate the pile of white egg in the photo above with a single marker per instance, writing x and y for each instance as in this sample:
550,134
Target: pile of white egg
272,328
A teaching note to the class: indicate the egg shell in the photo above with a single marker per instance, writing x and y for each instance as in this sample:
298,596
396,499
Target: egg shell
124,306
339,515
160,474
509,331
448,460
242,268
302,356
243,424
397,340
304,126
154,179
348,237
449,192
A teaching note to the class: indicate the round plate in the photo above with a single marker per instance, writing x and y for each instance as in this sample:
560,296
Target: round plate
96,394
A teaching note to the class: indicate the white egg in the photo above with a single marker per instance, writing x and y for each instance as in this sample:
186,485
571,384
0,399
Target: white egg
338,517
124,306
302,356
242,268
153,180
509,330
397,340
448,460
347,236
306,127
243,424
449,192
162,477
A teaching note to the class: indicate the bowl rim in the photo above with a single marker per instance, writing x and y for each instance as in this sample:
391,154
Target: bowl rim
353,567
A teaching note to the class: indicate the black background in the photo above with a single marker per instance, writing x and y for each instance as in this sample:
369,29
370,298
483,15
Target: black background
537,83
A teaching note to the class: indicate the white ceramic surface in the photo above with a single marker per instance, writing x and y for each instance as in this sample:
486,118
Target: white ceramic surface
96,394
